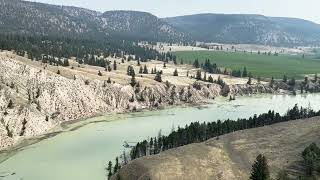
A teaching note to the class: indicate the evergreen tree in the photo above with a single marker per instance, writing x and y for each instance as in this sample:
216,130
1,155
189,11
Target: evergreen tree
99,73
285,79
292,82
10,104
109,80
109,169
175,73
260,169
158,77
205,77
140,70
58,72
66,62
130,71
250,79
198,75
109,68
245,73
210,79
114,65
145,69
133,81
311,157
272,81
116,166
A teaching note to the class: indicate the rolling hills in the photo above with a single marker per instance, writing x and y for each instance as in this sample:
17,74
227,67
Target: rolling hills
30,18
248,28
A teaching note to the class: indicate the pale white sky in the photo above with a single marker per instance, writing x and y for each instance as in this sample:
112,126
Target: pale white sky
305,9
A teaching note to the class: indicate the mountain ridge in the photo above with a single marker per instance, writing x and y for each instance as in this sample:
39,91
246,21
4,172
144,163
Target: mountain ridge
33,18
248,28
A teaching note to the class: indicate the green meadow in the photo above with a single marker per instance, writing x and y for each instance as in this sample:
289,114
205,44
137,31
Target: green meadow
258,64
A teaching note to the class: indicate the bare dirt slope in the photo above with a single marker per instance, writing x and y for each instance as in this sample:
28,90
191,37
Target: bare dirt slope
34,97
231,156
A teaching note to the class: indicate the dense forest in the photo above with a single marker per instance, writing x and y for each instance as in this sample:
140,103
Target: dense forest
199,132
66,47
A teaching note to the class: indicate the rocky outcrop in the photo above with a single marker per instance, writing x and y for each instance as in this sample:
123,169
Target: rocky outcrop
246,89
33,100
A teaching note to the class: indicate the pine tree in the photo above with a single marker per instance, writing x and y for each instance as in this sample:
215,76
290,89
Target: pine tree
145,69
140,70
181,61
292,82
175,73
210,79
198,75
109,169
109,80
272,81
99,73
116,166
58,72
158,77
66,62
114,65
250,79
133,81
205,77
285,79
196,63
260,169
10,104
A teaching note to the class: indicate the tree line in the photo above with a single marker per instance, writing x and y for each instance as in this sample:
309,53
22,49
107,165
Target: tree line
80,47
199,132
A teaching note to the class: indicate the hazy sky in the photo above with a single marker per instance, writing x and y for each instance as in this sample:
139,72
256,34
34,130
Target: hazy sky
306,9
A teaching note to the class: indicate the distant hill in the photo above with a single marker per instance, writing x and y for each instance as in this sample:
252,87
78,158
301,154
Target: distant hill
252,29
23,17
139,25
31,18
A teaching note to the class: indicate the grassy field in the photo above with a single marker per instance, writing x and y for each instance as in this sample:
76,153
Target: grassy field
258,65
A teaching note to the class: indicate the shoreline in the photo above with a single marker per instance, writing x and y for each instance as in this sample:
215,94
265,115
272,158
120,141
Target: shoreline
73,125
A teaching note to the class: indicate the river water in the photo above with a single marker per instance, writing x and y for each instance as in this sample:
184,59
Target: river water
82,153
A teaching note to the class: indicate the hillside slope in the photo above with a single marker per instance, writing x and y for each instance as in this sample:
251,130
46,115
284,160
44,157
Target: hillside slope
251,29
31,18
231,156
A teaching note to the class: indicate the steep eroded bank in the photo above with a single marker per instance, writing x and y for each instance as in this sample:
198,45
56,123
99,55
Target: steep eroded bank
33,100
